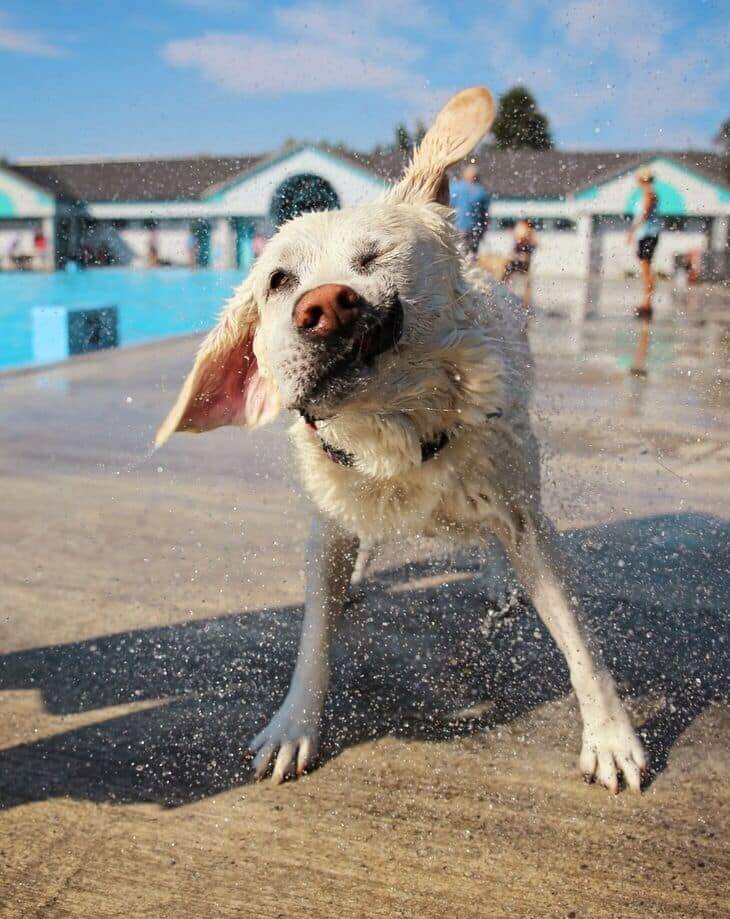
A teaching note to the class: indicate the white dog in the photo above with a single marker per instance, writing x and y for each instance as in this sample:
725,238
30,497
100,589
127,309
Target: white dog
411,375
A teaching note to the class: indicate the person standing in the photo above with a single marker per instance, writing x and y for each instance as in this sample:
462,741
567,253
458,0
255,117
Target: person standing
470,201
524,246
645,228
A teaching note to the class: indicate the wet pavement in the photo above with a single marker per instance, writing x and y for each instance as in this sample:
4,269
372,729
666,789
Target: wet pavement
149,618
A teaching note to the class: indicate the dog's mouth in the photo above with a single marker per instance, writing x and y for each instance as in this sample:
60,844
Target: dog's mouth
380,335
340,375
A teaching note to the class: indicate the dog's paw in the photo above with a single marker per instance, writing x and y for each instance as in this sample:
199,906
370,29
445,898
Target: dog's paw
610,750
290,740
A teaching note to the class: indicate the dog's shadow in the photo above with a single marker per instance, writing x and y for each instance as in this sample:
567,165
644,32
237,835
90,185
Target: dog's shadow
410,661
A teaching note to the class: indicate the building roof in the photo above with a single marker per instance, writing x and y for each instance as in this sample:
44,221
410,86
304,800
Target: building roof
134,180
507,173
554,173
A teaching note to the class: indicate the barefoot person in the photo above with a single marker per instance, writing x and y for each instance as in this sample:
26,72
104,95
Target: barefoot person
645,228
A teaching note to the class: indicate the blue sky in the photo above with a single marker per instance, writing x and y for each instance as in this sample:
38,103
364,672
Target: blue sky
117,77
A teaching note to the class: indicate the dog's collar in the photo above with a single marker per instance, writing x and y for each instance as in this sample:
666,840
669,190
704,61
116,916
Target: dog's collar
429,448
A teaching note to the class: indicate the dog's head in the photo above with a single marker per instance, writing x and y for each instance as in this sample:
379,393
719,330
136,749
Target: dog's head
335,294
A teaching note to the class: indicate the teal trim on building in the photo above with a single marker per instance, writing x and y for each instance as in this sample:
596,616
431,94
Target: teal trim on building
671,200
44,199
703,180
220,195
671,194
13,185
7,207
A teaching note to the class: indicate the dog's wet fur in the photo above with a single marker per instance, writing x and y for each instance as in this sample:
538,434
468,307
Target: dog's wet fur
435,353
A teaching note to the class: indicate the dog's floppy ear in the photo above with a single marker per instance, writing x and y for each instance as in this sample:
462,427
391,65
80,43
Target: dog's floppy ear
226,385
458,128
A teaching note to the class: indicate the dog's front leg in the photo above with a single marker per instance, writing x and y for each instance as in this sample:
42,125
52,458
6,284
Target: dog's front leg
610,745
292,735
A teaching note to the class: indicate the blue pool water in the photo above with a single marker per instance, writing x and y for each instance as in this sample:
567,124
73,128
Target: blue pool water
151,304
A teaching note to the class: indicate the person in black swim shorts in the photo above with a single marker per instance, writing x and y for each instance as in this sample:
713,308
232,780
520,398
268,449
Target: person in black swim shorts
646,247
645,228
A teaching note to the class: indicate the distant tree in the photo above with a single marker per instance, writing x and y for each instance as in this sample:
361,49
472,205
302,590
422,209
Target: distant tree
722,139
403,140
419,132
519,122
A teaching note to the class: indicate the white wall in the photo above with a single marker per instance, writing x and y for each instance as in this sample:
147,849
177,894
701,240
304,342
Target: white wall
174,242
133,241
559,253
172,239
720,233
517,208
566,253
222,244
136,237
618,256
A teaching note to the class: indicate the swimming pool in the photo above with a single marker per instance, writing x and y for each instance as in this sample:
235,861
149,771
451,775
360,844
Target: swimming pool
151,304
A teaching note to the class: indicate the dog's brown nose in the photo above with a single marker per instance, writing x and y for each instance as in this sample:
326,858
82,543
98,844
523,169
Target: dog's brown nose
326,310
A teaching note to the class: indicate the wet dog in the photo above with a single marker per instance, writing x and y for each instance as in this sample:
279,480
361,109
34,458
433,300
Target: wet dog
410,376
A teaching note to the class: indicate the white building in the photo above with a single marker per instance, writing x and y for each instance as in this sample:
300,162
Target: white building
206,210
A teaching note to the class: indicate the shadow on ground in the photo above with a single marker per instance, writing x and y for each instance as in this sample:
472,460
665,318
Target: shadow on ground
408,659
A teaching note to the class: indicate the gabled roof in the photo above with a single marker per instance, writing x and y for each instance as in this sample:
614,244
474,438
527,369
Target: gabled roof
507,173
553,173
135,180
348,160
25,180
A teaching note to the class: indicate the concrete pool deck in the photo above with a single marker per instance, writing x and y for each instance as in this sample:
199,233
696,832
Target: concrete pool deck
148,623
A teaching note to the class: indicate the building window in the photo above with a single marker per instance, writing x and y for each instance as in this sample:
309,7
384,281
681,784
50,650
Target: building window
687,224
539,224
300,194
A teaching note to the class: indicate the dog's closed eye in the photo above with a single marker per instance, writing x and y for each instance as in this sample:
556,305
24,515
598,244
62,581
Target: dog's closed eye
366,261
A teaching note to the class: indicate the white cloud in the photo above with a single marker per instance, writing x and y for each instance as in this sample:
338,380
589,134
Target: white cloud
248,64
633,29
25,41
340,30
624,73
319,47
621,72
